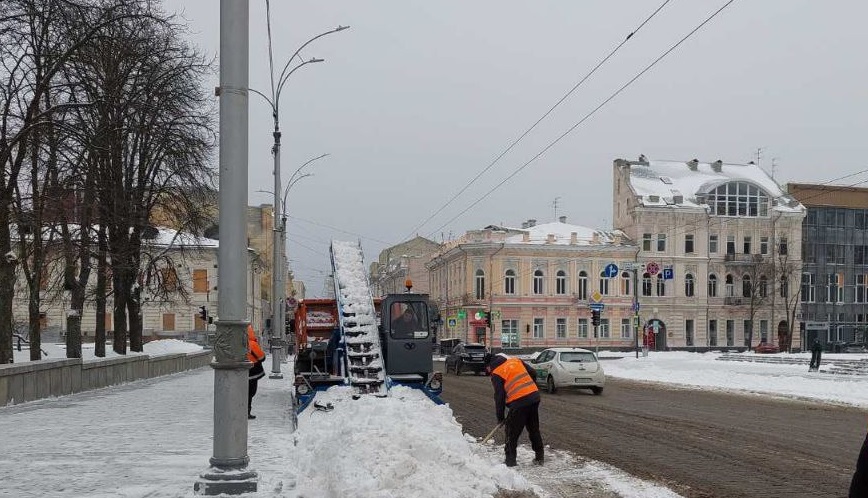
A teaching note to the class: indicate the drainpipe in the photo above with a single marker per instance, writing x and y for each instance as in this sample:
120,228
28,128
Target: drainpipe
636,297
491,295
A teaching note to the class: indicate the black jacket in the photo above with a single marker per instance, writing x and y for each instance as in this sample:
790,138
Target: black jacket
500,393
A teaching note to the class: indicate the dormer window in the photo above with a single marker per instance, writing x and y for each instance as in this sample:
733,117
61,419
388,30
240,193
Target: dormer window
741,199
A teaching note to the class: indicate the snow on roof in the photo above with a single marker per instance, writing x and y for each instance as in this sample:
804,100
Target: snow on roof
168,236
562,232
659,183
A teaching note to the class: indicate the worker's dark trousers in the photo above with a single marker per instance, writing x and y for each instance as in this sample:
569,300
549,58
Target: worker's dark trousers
252,384
859,484
516,421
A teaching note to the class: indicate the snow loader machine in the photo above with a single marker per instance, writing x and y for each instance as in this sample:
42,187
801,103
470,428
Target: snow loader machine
366,343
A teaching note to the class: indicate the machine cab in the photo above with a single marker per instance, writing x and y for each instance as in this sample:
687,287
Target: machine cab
405,334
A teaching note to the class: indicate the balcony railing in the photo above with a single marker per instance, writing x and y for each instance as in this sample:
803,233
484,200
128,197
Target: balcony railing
736,301
742,258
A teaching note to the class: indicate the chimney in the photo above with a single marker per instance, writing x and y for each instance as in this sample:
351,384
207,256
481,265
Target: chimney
525,237
531,223
693,164
550,239
596,238
617,239
524,224
678,199
562,219
574,238
717,166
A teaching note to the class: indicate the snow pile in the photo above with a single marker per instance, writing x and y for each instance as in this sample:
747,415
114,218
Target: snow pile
399,446
169,346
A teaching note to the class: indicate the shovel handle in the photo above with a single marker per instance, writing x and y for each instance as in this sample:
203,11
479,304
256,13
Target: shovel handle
499,424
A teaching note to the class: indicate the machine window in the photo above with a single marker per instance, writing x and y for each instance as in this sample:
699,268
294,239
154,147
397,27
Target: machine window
409,320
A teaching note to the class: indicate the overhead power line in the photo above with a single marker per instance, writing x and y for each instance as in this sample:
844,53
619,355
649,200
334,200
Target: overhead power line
587,116
538,121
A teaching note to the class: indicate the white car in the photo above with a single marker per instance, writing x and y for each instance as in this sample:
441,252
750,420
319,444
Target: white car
569,367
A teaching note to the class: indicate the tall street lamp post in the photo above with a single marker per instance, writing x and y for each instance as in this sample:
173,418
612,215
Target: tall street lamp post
278,289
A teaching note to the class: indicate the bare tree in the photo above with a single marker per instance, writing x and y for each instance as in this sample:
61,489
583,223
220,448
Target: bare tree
791,291
757,287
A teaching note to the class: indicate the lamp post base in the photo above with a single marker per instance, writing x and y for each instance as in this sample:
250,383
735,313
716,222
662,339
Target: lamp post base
275,375
218,482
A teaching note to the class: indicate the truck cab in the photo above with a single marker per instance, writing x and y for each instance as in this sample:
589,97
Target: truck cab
406,336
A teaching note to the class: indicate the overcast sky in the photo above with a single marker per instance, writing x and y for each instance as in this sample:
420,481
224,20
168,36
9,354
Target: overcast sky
418,97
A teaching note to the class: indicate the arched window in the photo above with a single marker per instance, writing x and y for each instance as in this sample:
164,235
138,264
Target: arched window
561,282
730,286
738,199
712,285
626,284
688,285
583,286
745,286
646,284
604,284
661,285
509,282
538,282
480,284
763,286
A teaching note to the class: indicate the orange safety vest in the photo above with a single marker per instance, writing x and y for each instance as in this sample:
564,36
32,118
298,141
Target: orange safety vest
516,381
254,352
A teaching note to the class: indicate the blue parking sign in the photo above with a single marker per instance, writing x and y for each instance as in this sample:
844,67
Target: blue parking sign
668,274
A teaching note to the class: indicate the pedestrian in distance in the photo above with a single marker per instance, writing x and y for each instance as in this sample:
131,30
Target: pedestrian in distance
515,388
256,372
859,484
816,353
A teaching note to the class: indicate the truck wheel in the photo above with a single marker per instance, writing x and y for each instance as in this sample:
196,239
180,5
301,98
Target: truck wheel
550,385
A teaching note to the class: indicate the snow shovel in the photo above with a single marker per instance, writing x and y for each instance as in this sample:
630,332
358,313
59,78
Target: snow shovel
498,426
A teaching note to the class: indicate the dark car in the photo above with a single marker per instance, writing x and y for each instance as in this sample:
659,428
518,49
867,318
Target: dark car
469,357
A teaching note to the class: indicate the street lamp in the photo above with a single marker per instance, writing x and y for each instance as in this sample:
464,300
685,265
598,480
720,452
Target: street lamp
278,291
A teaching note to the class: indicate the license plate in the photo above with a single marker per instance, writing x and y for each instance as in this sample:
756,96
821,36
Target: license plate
582,379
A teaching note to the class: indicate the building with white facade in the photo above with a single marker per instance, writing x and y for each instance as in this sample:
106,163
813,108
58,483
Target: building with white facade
720,248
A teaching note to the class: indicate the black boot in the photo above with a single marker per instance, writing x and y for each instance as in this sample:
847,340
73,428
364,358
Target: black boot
250,417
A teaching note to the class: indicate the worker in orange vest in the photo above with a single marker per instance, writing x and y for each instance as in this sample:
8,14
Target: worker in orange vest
256,372
515,387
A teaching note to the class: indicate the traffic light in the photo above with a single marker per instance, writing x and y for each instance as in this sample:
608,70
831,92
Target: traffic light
595,317
487,318
203,315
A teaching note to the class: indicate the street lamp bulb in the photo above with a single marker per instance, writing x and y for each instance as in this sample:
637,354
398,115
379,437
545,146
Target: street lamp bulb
314,59
341,28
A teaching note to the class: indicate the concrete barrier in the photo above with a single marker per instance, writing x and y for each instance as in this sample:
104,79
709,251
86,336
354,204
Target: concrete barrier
20,382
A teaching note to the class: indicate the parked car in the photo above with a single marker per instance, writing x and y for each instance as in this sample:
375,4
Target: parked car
854,347
470,357
569,367
766,347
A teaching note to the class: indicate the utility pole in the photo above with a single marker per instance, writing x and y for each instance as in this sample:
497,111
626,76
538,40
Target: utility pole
636,305
228,472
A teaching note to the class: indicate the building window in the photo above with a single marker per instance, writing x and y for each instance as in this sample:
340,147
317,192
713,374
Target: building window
626,283
583,328
764,331
661,242
604,284
583,286
738,199
712,285
538,282
661,285
782,246
860,218
170,279
808,290
860,255
860,288
688,332
746,286
509,282
561,282
168,321
746,330
730,244
730,332
480,284
646,284
626,330
712,244
747,244
646,242
834,289
785,286
200,280
561,328
764,245
809,253
730,286
604,328
509,333
688,285
688,244
538,328
712,332
763,286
